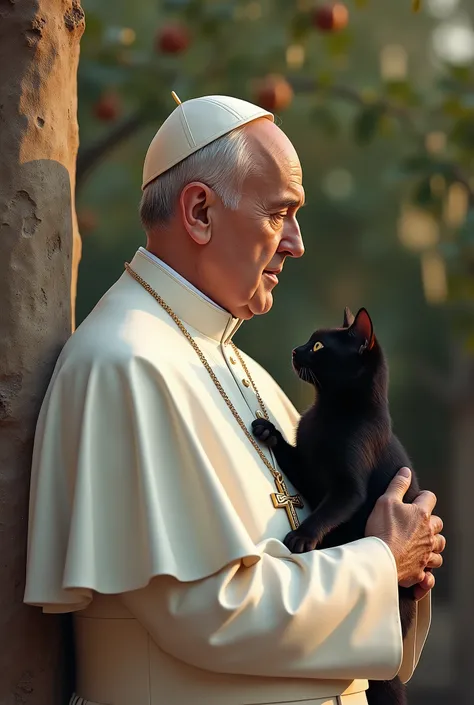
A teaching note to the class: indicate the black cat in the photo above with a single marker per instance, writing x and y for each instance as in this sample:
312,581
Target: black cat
345,454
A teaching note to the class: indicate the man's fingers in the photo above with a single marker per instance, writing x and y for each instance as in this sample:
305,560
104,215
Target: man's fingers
435,561
428,581
439,543
399,485
425,586
427,500
436,524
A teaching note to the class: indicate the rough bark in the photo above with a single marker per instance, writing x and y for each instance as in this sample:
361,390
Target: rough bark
39,51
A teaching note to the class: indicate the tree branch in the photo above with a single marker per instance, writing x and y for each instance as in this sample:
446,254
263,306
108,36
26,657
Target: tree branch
306,85
89,156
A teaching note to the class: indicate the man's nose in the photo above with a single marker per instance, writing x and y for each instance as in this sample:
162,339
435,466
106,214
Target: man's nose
293,242
299,247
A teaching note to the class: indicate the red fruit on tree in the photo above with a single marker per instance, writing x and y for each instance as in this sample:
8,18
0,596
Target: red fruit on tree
331,18
107,107
172,39
274,93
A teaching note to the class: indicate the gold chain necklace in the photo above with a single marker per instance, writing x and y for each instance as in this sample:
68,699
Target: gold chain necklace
281,498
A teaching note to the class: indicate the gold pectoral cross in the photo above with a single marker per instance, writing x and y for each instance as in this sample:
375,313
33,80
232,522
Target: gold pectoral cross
283,500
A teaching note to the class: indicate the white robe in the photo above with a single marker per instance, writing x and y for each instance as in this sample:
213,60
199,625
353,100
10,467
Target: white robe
151,520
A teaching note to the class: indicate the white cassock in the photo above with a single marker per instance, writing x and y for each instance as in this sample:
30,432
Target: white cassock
151,520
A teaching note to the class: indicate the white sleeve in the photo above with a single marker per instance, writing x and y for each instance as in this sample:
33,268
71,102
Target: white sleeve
416,638
329,614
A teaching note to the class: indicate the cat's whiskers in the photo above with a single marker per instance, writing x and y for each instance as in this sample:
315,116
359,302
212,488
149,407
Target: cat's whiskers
307,375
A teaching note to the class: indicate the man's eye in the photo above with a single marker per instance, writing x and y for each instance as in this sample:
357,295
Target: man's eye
277,217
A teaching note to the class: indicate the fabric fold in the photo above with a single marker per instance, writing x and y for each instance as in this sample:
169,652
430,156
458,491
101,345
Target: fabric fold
126,482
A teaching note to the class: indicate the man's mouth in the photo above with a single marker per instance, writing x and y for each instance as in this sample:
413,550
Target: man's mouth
272,277
272,274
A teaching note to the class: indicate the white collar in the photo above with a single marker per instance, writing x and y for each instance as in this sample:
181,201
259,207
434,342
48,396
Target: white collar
178,276
187,302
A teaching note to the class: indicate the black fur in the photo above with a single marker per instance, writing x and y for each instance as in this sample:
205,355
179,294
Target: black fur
345,454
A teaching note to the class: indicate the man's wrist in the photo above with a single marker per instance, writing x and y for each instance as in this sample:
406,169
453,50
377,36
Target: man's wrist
388,549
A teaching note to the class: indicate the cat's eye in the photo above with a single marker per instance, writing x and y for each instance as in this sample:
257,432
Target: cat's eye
317,346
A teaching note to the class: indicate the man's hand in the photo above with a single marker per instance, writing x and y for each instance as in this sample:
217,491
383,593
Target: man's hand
411,532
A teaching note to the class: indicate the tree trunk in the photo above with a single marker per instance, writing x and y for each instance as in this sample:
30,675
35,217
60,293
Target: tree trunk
39,52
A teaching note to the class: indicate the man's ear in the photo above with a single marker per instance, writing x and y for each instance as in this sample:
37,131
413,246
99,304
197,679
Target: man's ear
363,328
348,318
195,202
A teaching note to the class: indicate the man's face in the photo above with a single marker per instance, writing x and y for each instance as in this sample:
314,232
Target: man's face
248,246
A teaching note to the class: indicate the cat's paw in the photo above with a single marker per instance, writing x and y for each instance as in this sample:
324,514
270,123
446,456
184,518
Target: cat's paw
299,543
265,431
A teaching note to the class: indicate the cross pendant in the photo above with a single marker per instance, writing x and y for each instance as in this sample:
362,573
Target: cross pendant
283,499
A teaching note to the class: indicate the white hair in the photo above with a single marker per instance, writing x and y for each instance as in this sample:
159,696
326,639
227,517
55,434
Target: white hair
223,165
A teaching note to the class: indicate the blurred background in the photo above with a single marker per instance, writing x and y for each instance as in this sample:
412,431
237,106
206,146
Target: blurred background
378,98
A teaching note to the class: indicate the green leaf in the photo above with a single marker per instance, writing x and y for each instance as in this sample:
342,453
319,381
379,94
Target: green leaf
175,4
449,250
366,124
221,11
452,107
416,163
462,133
94,25
469,343
326,120
300,26
101,75
467,101
466,231
462,74
192,10
401,91
339,43
423,195
324,79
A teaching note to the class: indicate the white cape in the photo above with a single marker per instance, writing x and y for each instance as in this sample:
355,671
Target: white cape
140,471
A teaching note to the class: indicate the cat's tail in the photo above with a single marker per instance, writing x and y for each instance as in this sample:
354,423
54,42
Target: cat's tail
387,692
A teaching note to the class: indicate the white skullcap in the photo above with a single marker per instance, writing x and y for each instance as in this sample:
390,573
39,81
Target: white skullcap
192,125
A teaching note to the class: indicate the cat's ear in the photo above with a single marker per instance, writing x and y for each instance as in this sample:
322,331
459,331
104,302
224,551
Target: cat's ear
348,318
364,329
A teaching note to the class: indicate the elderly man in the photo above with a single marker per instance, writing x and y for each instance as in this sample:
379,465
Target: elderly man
155,516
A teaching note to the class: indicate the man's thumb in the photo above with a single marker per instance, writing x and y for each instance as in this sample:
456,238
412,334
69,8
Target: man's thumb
400,484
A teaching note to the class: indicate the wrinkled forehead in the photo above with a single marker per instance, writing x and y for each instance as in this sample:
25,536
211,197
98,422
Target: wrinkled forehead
275,181
281,179
279,158
274,154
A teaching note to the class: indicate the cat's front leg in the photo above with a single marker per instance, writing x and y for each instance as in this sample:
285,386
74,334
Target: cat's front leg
333,511
285,454
308,536
267,432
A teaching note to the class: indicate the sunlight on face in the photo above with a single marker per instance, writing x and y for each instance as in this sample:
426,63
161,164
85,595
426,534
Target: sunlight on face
249,245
